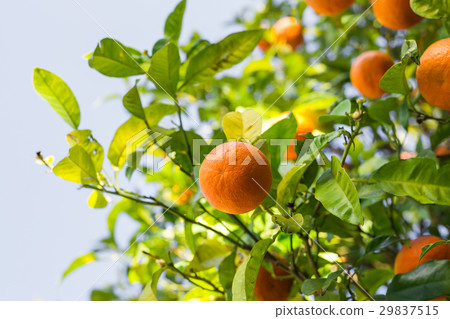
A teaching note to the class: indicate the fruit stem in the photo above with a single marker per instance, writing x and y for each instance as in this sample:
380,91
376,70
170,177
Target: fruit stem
350,142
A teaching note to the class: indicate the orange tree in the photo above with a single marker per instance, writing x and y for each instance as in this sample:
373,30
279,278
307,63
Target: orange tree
327,226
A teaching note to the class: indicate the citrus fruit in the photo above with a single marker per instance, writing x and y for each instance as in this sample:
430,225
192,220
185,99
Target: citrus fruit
408,257
442,150
329,7
433,74
287,31
268,288
304,125
395,14
235,177
367,71
264,45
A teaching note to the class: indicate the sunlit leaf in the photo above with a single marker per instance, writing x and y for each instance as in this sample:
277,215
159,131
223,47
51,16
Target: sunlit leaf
149,291
77,167
207,255
133,104
85,139
58,94
245,279
97,200
112,58
78,262
245,125
220,56
227,270
172,28
164,69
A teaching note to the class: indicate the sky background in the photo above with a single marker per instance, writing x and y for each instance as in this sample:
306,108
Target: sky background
45,222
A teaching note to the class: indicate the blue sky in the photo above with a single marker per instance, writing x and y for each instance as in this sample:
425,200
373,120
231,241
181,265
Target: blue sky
45,221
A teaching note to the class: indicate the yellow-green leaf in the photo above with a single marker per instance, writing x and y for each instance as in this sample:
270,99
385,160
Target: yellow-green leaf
242,125
58,94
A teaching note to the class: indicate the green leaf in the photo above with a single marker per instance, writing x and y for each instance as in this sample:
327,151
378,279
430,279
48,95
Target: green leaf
431,9
409,49
209,254
97,200
380,109
172,28
77,167
227,270
339,114
427,248
164,69
111,58
156,111
393,81
310,286
289,225
132,102
338,195
220,56
287,189
245,279
426,282
128,134
149,291
282,130
245,125
374,278
417,178
85,139
103,295
58,94
379,243
78,262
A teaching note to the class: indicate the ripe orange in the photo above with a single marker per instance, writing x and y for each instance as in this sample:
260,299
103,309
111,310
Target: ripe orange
235,177
287,31
395,14
433,74
329,7
304,125
264,45
408,257
367,71
268,288
182,196
442,150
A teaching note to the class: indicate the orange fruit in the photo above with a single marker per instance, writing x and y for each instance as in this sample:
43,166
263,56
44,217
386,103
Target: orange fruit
395,14
268,288
367,71
182,196
264,45
235,177
408,257
433,74
329,7
442,150
304,125
287,31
